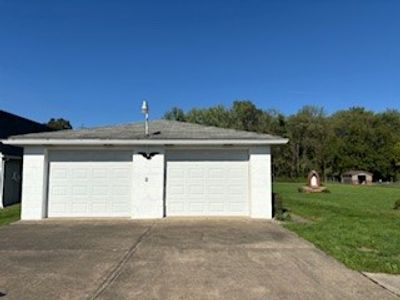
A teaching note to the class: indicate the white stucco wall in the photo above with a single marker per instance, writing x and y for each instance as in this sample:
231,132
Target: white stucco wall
148,184
260,182
34,183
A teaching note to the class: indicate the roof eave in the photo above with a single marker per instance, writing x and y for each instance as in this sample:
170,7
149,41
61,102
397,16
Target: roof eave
122,142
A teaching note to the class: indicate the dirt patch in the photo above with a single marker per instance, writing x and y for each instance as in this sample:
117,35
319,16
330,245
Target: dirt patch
300,219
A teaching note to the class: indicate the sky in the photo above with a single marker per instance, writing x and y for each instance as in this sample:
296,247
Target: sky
92,62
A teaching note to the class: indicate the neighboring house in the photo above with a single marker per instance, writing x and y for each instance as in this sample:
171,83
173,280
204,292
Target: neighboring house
11,156
357,177
179,169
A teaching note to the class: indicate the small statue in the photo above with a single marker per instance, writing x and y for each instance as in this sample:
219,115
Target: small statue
313,184
313,180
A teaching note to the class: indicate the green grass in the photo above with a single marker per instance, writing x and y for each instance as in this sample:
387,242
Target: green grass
10,214
355,224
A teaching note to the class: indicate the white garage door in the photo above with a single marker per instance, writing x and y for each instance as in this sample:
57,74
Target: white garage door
90,184
207,183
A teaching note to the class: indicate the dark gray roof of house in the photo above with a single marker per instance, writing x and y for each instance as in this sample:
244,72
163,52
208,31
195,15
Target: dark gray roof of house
158,129
11,124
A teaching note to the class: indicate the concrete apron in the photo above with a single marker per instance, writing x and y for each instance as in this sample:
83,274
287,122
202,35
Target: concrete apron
183,258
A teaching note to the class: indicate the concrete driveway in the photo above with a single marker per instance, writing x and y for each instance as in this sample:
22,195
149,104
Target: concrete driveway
170,259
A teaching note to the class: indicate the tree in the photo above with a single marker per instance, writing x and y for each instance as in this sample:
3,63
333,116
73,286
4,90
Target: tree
246,116
354,138
308,133
59,124
388,143
175,114
213,116
396,154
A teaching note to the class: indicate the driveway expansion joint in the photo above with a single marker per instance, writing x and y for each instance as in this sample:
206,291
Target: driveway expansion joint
117,270
380,284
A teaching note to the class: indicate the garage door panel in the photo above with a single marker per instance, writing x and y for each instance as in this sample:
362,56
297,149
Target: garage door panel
176,173
215,173
120,173
207,183
79,190
236,173
59,190
91,184
122,190
196,172
178,209
196,207
99,190
216,207
215,190
78,173
195,189
78,205
60,206
99,173
98,206
60,173
236,208
236,190
177,190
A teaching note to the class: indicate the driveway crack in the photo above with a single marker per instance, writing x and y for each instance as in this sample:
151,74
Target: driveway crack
117,270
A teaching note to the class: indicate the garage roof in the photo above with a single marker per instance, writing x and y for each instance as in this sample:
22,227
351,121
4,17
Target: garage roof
159,131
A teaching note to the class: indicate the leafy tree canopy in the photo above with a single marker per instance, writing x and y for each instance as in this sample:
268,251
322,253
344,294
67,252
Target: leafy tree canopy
354,138
59,124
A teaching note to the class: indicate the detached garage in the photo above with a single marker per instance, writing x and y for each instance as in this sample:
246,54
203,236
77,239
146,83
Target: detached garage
178,169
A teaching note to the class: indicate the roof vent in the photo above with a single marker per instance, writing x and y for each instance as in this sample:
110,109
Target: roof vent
145,111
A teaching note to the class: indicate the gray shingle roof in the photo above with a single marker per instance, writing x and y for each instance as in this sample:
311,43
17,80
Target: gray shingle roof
159,130
356,172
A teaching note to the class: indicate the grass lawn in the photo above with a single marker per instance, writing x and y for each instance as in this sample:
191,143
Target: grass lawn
10,214
355,224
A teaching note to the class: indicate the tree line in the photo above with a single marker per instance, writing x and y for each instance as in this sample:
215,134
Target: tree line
350,139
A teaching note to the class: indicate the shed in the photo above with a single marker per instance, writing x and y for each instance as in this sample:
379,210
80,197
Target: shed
357,177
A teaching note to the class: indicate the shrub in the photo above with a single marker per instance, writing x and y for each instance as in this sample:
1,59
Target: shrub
397,204
279,211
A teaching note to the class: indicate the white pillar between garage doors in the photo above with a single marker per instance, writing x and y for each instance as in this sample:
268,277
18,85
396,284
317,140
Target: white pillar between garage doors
260,182
148,183
34,183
